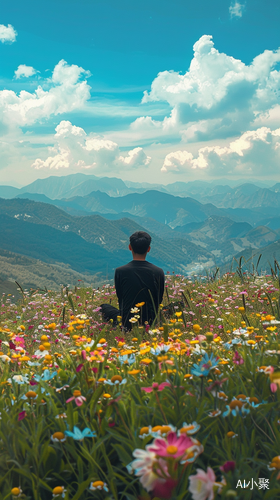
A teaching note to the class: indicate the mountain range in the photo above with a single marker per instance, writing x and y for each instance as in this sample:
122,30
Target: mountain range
84,222
88,244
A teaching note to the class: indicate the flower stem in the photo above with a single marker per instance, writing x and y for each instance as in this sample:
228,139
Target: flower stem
160,407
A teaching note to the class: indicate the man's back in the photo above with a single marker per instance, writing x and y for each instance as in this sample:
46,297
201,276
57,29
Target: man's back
139,281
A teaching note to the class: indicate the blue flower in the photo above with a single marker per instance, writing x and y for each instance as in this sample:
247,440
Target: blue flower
117,382
130,359
236,411
46,376
205,365
189,429
19,379
80,435
227,345
255,405
159,349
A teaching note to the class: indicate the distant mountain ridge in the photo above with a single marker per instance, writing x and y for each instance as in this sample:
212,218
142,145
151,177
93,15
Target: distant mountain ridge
109,237
80,184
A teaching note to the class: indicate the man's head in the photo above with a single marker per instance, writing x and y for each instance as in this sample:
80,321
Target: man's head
140,244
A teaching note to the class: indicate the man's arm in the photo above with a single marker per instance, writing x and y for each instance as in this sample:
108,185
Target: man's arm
118,286
161,286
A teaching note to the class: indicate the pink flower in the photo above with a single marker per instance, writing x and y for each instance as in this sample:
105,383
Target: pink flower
173,446
79,367
21,415
156,387
273,387
237,359
78,400
84,354
201,485
201,338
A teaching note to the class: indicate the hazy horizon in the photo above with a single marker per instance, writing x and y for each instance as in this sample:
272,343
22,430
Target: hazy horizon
220,181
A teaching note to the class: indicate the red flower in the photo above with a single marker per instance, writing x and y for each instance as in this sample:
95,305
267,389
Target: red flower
228,467
163,489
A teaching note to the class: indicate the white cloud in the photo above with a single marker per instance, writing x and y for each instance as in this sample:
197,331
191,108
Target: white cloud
255,152
218,96
135,158
75,149
236,9
7,33
61,160
66,91
24,71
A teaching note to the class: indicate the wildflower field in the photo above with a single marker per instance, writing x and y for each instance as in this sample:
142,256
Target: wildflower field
187,408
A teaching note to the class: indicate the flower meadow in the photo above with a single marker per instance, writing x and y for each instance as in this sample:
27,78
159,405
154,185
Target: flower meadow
186,408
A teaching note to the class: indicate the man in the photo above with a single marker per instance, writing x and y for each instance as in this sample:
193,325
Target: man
137,282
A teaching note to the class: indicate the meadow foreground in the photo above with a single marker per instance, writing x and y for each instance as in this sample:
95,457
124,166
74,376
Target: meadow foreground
187,408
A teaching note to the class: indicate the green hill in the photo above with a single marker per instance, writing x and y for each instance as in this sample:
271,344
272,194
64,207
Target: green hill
33,273
109,236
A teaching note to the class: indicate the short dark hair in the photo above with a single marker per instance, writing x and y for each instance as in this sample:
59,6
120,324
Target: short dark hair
140,242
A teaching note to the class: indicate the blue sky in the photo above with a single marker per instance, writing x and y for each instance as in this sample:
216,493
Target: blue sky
159,90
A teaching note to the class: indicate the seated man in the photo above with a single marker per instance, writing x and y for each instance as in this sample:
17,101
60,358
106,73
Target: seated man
136,282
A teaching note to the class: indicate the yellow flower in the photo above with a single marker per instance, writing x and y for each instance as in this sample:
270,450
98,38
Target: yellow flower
144,430
16,492
231,434
116,378
196,328
275,463
241,309
31,395
146,361
77,393
133,372
140,304
59,436
217,339
178,314
58,490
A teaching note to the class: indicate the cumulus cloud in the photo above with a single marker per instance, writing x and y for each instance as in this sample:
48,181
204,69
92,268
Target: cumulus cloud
7,33
24,71
236,9
66,91
74,148
136,157
255,152
218,96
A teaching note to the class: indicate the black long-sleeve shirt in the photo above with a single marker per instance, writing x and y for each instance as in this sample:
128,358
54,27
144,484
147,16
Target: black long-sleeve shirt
133,283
